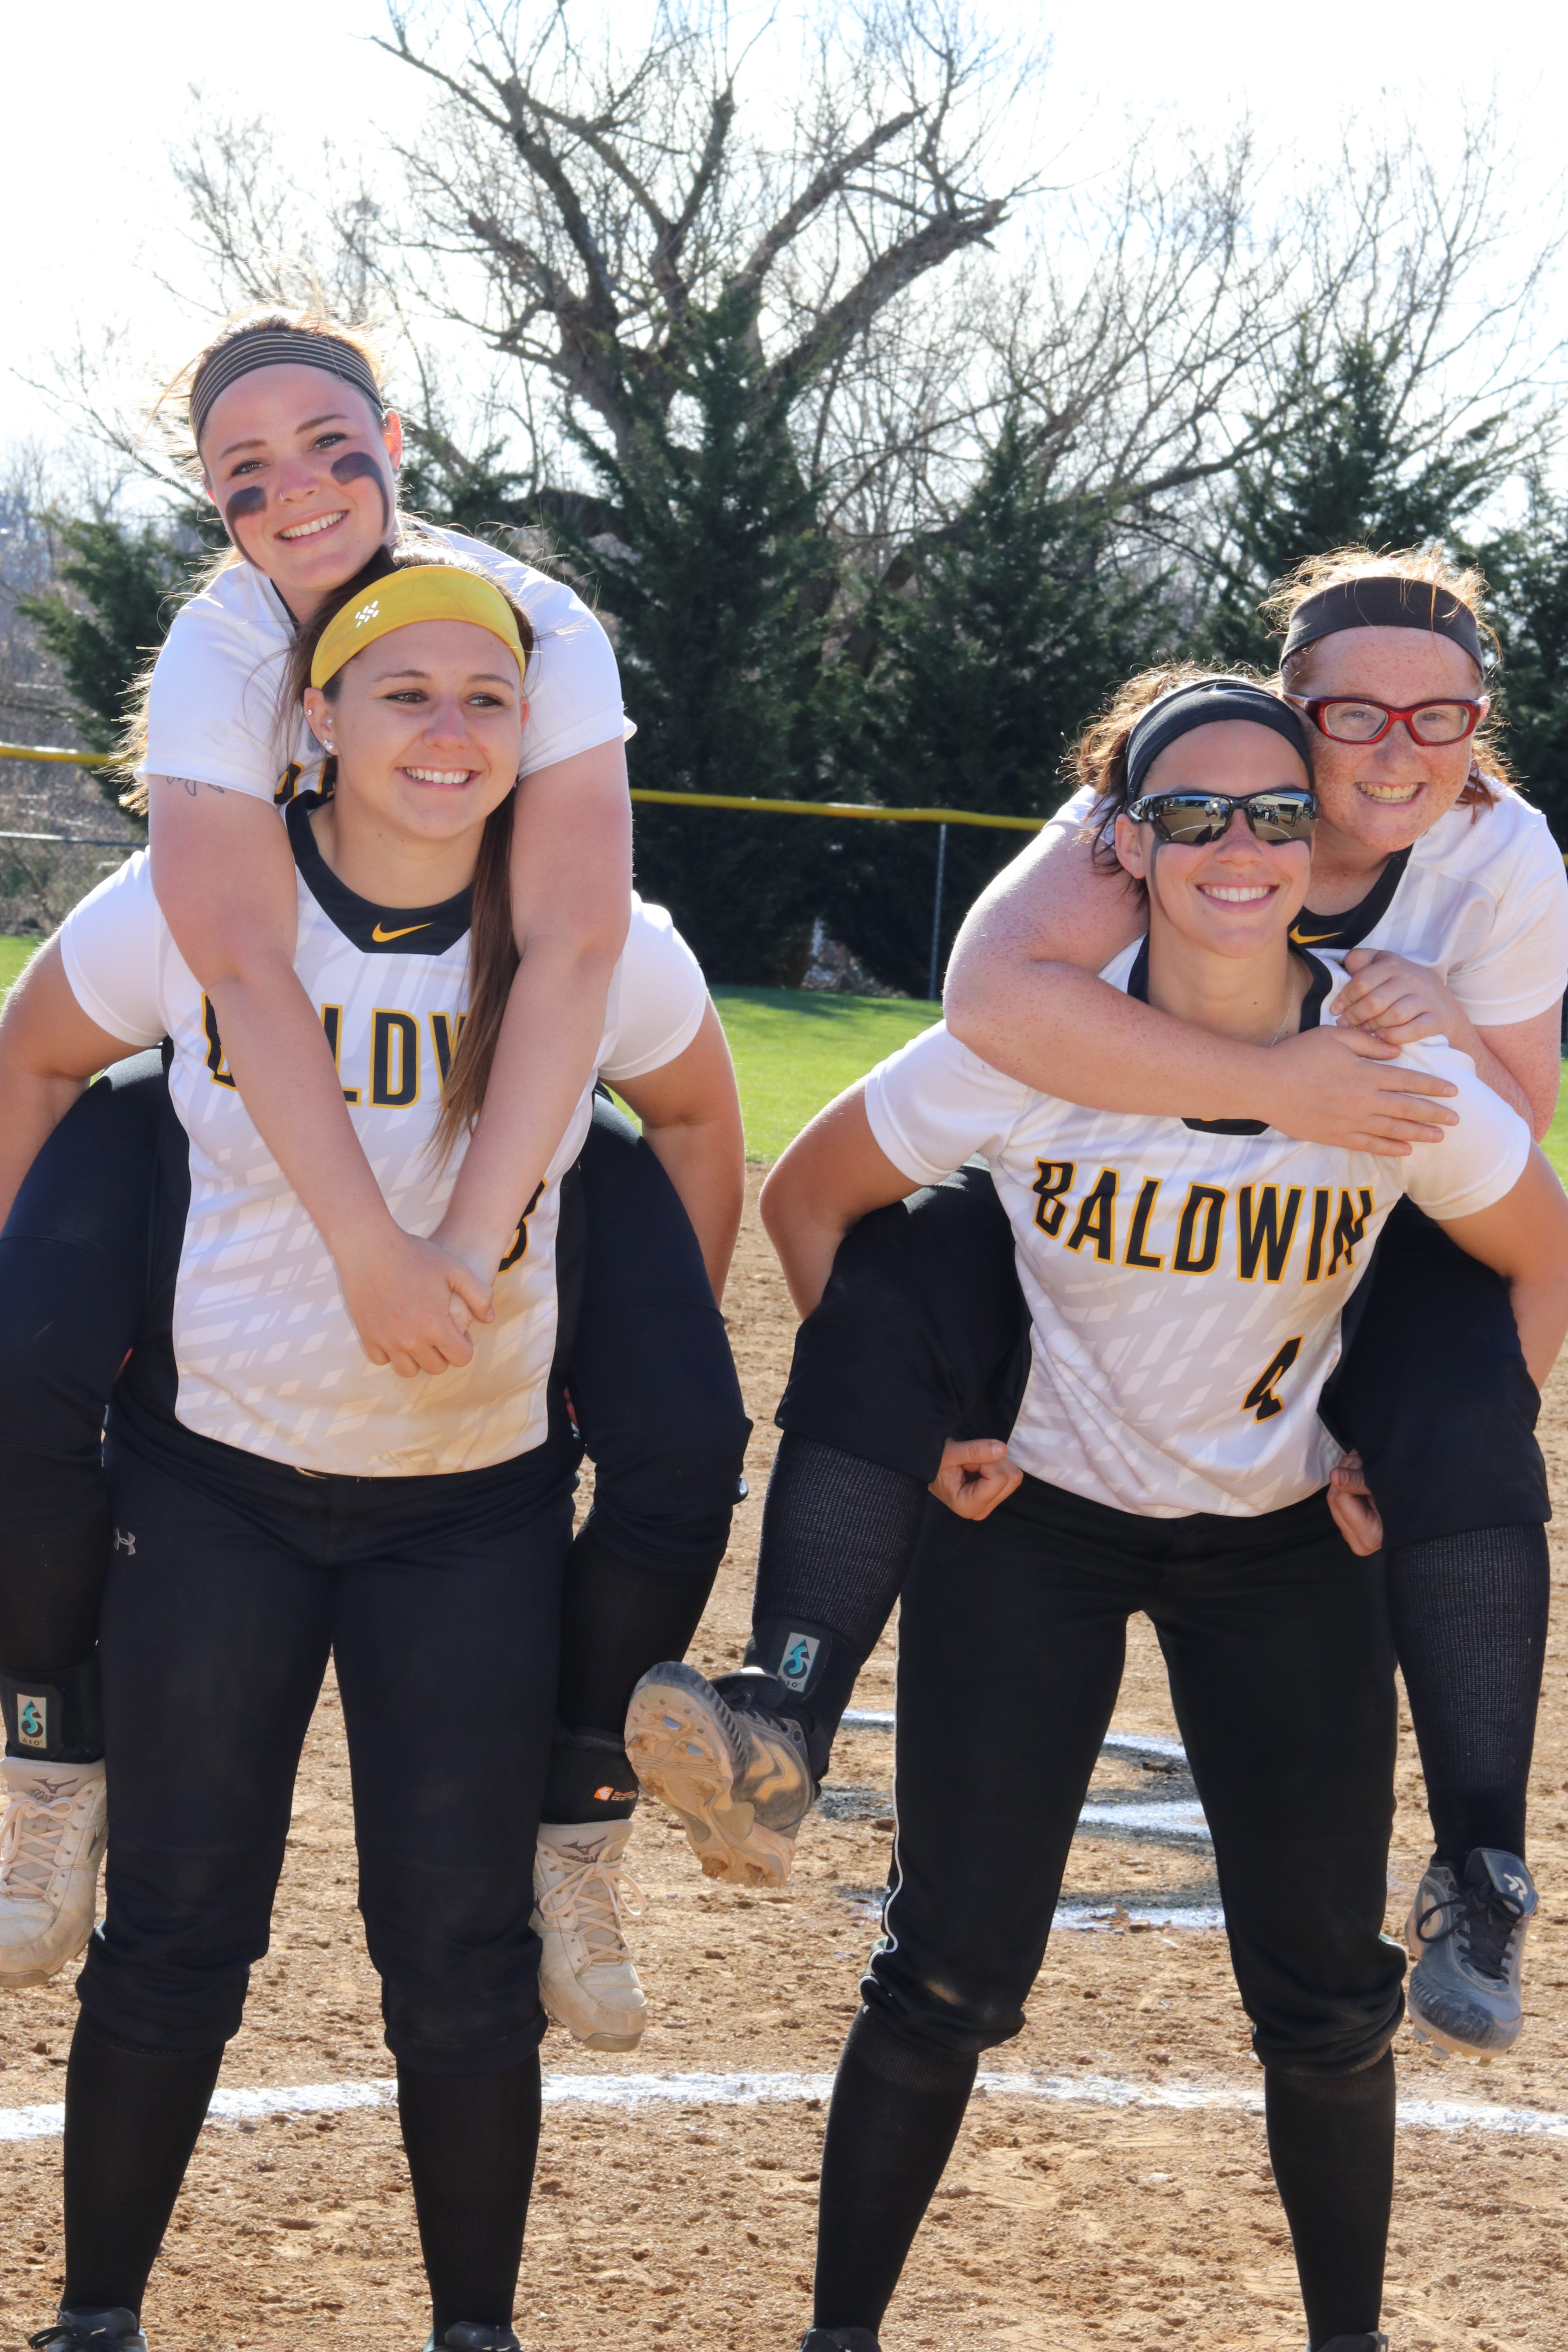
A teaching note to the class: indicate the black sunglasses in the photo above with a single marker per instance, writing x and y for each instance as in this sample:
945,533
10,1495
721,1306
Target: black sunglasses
1194,819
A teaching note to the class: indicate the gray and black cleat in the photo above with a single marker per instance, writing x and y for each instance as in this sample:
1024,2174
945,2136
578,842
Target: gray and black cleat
1355,2344
839,2339
91,2331
739,1779
1468,1943
475,2336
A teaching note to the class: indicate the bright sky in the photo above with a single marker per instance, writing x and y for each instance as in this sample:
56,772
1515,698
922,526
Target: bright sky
97,96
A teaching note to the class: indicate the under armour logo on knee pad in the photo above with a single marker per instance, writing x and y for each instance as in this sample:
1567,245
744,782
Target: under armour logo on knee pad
125,1542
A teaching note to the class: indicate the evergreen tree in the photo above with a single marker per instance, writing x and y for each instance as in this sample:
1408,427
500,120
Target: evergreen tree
1347,470
708,563
1528,571
128,579
1012,626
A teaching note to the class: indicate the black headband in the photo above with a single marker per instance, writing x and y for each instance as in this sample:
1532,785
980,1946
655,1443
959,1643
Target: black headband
1205,703
1384,599
259,347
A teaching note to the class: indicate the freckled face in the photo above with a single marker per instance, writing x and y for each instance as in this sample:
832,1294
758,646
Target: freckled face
1238,895
1386,796
304,475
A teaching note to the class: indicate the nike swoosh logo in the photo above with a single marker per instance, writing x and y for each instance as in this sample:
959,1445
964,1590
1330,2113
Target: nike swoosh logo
1314,939
383,939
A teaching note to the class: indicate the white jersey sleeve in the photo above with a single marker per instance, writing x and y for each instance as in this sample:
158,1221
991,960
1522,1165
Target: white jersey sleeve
933,1104
1477,1161
109,945
215,709
1519,970
657,998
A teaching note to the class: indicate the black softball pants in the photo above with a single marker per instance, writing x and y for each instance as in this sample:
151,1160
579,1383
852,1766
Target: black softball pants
1011,1647
234,1579
652,1382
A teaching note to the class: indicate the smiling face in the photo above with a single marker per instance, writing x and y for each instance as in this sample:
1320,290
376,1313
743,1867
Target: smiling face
1237,896
304,476
1386,796
426,724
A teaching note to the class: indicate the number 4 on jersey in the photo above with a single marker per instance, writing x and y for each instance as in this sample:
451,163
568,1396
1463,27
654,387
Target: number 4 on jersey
1260,1399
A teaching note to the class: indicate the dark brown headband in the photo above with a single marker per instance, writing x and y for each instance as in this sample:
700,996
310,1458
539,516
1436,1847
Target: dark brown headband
259,347
1384,599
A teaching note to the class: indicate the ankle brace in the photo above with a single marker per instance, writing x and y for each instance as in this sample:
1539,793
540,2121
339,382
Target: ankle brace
55,1719
803,1670
589,1778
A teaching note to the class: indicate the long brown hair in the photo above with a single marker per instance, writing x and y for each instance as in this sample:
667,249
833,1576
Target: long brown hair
172,405
492,944
1464,583
1098,757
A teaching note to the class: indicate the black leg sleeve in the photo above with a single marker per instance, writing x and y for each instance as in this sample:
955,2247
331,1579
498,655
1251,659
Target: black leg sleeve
1470,1615
132,2116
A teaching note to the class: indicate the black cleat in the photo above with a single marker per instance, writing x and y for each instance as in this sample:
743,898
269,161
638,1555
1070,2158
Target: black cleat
475,2336
1357,2344
91,2331
839,2339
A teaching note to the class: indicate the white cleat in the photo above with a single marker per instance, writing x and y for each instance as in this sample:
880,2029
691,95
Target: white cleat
51,1843
581,1894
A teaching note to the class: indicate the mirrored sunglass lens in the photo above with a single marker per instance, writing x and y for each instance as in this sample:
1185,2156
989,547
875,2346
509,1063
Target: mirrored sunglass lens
1281,821
1441,722
1192,823
1352,723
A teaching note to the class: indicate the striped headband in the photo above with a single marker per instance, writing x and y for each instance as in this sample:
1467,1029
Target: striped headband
1384,599
260,347
420,592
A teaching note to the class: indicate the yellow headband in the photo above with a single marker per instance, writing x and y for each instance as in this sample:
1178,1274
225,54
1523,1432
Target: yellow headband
425,592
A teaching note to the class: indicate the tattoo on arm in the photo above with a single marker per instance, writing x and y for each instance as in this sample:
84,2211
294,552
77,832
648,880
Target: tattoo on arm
190,787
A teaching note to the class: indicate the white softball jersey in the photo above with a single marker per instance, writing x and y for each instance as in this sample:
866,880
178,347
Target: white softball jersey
1482,897
1184,1283
216,710
265,1356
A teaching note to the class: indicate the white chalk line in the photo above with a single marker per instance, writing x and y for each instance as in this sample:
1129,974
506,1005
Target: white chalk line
629,2091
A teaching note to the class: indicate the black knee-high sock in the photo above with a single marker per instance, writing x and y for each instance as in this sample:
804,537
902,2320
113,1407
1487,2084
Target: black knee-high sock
1330,2142
838,1534
1470,1615
132,2120
896,2112
617,1620
472,2141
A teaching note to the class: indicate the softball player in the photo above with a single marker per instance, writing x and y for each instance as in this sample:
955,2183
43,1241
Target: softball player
300,455
1447,892
1185,1281
277,1499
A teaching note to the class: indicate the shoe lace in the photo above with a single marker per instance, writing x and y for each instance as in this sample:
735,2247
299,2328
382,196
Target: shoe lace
29,1843
1485,1922
594,1899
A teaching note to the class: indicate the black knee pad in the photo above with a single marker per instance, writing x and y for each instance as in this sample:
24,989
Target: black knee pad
55,1719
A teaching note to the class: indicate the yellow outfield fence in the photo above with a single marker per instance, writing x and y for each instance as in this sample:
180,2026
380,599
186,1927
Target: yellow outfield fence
940,817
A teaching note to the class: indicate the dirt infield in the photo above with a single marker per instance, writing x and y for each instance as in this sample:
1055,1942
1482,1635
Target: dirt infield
1132,2204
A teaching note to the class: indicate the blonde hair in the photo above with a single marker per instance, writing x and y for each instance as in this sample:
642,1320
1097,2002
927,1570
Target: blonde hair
1432,566
312,318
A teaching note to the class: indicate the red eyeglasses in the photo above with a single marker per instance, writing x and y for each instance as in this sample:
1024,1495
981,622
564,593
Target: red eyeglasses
1357,719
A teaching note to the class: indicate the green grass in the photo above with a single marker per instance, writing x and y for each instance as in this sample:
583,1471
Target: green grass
796,1048
1554,1142
14,954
